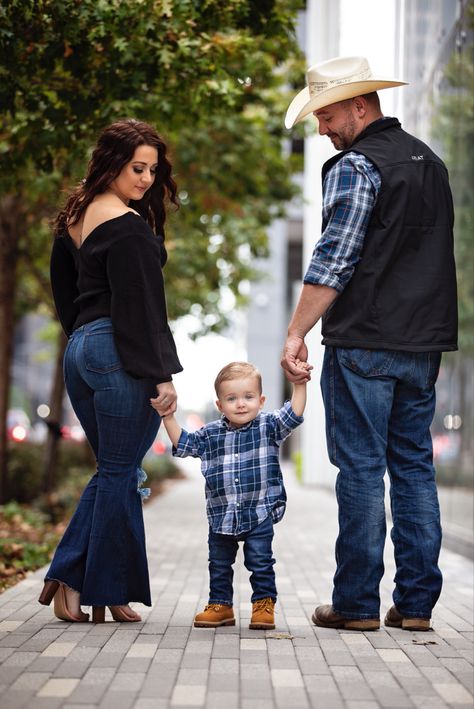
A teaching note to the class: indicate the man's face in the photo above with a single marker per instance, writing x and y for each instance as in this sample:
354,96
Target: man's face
339,122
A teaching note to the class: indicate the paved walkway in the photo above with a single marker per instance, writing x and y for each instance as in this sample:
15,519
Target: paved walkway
165,662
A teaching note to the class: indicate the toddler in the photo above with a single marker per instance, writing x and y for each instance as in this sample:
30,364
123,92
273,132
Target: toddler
244,488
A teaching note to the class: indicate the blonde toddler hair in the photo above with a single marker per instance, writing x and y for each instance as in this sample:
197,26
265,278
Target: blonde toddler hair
237,370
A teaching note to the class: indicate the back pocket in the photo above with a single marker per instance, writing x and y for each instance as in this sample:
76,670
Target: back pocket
367,363
100,353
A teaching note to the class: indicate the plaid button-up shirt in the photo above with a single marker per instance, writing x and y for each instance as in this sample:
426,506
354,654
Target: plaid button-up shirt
244,483
350,191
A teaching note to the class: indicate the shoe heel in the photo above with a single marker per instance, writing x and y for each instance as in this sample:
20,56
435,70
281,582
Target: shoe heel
48,592
98,614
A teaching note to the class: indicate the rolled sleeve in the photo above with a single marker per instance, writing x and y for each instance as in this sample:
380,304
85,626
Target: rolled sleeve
351,188
285,420
190,444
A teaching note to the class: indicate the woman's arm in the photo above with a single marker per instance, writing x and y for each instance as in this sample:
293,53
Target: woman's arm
63,284
138,305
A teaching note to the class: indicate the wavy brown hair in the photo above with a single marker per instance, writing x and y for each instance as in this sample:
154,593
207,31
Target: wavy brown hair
114,149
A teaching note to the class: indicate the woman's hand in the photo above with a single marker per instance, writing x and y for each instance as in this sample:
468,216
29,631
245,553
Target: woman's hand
166,401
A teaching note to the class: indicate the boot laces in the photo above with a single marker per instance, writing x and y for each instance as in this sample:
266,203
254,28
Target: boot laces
264,604
213,607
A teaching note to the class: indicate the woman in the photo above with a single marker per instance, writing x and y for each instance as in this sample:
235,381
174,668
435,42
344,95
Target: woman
108,289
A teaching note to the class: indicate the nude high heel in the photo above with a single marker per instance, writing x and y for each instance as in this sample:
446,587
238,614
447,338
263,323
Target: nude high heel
61,610
121,614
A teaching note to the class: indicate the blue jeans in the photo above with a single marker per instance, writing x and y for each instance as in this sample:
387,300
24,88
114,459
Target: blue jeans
379,408
102,553
258,559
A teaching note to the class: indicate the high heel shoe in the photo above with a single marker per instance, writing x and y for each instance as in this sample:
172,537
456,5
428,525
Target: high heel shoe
61,610
47,594
121,614
56,590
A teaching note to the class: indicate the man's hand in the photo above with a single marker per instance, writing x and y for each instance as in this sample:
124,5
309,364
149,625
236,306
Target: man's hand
294,354
166,401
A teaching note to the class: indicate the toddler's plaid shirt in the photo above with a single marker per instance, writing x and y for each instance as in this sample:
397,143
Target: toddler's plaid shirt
244,483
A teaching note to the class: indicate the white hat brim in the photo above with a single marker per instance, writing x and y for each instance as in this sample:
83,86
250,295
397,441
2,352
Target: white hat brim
303,104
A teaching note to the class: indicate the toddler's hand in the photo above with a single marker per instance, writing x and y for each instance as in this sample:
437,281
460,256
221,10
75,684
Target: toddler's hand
304,366
159,408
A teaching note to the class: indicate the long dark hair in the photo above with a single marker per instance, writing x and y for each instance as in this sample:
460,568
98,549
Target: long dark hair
114,149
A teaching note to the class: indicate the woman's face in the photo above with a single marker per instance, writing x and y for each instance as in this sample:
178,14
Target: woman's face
137,176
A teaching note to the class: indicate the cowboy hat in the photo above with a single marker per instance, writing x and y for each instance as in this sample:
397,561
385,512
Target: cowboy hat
332,81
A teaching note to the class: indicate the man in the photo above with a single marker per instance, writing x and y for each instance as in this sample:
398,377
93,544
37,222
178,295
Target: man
382,277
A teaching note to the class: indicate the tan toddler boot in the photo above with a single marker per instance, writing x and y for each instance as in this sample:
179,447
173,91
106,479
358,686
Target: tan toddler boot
214,615
263,614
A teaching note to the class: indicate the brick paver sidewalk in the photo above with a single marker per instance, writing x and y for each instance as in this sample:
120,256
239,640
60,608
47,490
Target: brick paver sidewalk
165,662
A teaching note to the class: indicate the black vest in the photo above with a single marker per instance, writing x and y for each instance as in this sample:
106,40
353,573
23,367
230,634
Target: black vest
402,294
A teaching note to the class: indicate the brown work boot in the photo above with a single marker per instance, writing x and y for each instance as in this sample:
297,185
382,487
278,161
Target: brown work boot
325,617
262,614
394,619
214,615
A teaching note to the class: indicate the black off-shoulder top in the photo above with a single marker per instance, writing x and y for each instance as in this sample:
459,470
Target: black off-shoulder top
117,273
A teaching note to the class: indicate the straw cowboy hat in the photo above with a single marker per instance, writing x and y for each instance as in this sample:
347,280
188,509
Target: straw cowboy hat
332,81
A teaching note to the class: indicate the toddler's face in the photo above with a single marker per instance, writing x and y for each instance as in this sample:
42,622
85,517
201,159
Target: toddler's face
240,400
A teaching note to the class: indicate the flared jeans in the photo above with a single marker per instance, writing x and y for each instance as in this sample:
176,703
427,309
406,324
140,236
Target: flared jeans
102,553
379,408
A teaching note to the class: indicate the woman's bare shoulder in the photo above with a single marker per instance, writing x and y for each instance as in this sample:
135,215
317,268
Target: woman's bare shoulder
100,211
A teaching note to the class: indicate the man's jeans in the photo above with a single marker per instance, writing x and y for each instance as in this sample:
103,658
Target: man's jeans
102,553
258,559
379,407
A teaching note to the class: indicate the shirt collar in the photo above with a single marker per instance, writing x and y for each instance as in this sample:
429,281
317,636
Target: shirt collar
229,427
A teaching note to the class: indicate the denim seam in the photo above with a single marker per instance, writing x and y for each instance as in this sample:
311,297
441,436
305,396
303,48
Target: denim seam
332,384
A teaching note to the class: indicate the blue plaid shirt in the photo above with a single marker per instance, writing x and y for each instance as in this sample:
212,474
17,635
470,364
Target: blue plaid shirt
350,191
244,483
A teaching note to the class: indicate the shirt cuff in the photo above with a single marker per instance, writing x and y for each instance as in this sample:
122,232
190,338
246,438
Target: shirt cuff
290,415
180,451
321,276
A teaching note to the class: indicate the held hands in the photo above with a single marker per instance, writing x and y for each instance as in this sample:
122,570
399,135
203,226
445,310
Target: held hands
166,401
294,360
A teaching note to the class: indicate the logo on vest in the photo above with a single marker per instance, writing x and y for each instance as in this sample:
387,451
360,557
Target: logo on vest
417,157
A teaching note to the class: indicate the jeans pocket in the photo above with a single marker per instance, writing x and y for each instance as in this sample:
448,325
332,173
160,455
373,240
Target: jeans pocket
366,363
100,352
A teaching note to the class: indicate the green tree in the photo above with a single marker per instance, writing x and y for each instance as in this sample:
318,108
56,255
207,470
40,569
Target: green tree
208,74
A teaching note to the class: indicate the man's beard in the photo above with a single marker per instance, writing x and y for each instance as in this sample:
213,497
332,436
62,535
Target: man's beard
346,136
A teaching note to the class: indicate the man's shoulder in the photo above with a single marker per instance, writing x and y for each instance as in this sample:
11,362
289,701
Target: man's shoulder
354,160
351,166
